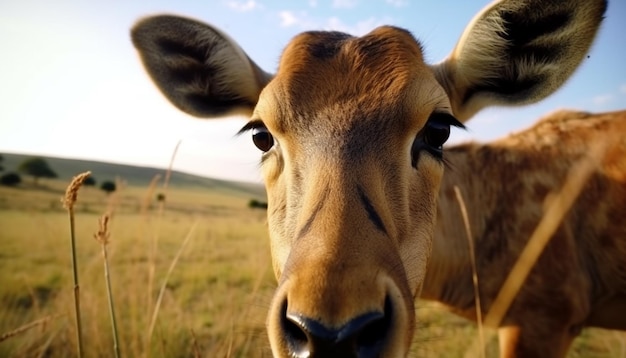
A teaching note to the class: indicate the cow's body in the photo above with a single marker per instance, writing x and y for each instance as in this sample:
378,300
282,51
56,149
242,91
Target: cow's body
580,279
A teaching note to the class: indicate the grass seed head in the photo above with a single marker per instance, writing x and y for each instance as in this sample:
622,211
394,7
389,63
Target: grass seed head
71,193
102,235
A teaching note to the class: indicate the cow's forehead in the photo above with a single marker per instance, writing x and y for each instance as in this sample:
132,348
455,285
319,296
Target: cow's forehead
330,75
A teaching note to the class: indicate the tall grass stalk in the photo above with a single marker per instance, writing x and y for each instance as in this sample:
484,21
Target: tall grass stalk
26,327
155,236
69,200
157,305
153,242
468,232
102,236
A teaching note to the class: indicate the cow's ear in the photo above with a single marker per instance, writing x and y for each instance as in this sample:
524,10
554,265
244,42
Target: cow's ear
518,52
197,67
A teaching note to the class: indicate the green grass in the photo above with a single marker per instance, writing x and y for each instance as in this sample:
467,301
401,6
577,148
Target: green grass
215,301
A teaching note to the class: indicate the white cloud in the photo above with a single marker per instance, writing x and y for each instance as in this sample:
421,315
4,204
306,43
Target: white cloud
398,3
301,19
603,99
287,18
243,6
358,29
313,3
335,24
344,4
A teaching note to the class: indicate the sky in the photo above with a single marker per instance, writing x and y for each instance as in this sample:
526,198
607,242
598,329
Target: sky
72,85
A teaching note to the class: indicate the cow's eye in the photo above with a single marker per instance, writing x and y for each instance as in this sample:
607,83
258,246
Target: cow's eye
262,138
436,134
433,136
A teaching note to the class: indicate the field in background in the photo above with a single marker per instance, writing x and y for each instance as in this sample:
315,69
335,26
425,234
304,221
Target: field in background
215,301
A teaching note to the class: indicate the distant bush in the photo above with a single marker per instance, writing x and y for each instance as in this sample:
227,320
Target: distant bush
160,197
89,181
37,168
255,204
108,187
10,179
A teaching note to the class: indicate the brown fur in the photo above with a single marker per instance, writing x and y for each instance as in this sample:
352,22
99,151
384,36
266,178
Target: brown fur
580,279
317,201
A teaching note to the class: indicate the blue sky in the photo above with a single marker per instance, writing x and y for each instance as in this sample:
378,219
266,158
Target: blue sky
72,85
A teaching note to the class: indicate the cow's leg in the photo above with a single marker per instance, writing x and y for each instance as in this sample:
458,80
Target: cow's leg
536,340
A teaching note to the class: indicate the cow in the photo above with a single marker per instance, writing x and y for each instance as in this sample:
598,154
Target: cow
351,131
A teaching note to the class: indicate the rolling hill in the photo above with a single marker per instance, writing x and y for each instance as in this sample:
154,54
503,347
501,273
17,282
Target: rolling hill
133,175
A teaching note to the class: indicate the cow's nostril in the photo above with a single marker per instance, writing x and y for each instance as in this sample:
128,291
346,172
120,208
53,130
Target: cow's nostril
295,336
295,333
371,337
373,333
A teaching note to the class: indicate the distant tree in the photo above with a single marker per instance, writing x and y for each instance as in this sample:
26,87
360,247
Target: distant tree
1,159
255,204
108,186
160,197
10,179
89,181
37,168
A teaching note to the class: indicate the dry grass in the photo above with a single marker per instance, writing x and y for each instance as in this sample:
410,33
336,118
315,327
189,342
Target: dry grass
26,327
215,298
479,314
209,303
102,236
71,195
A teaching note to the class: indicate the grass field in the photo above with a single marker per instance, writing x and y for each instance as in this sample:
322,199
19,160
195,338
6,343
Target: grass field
214,301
